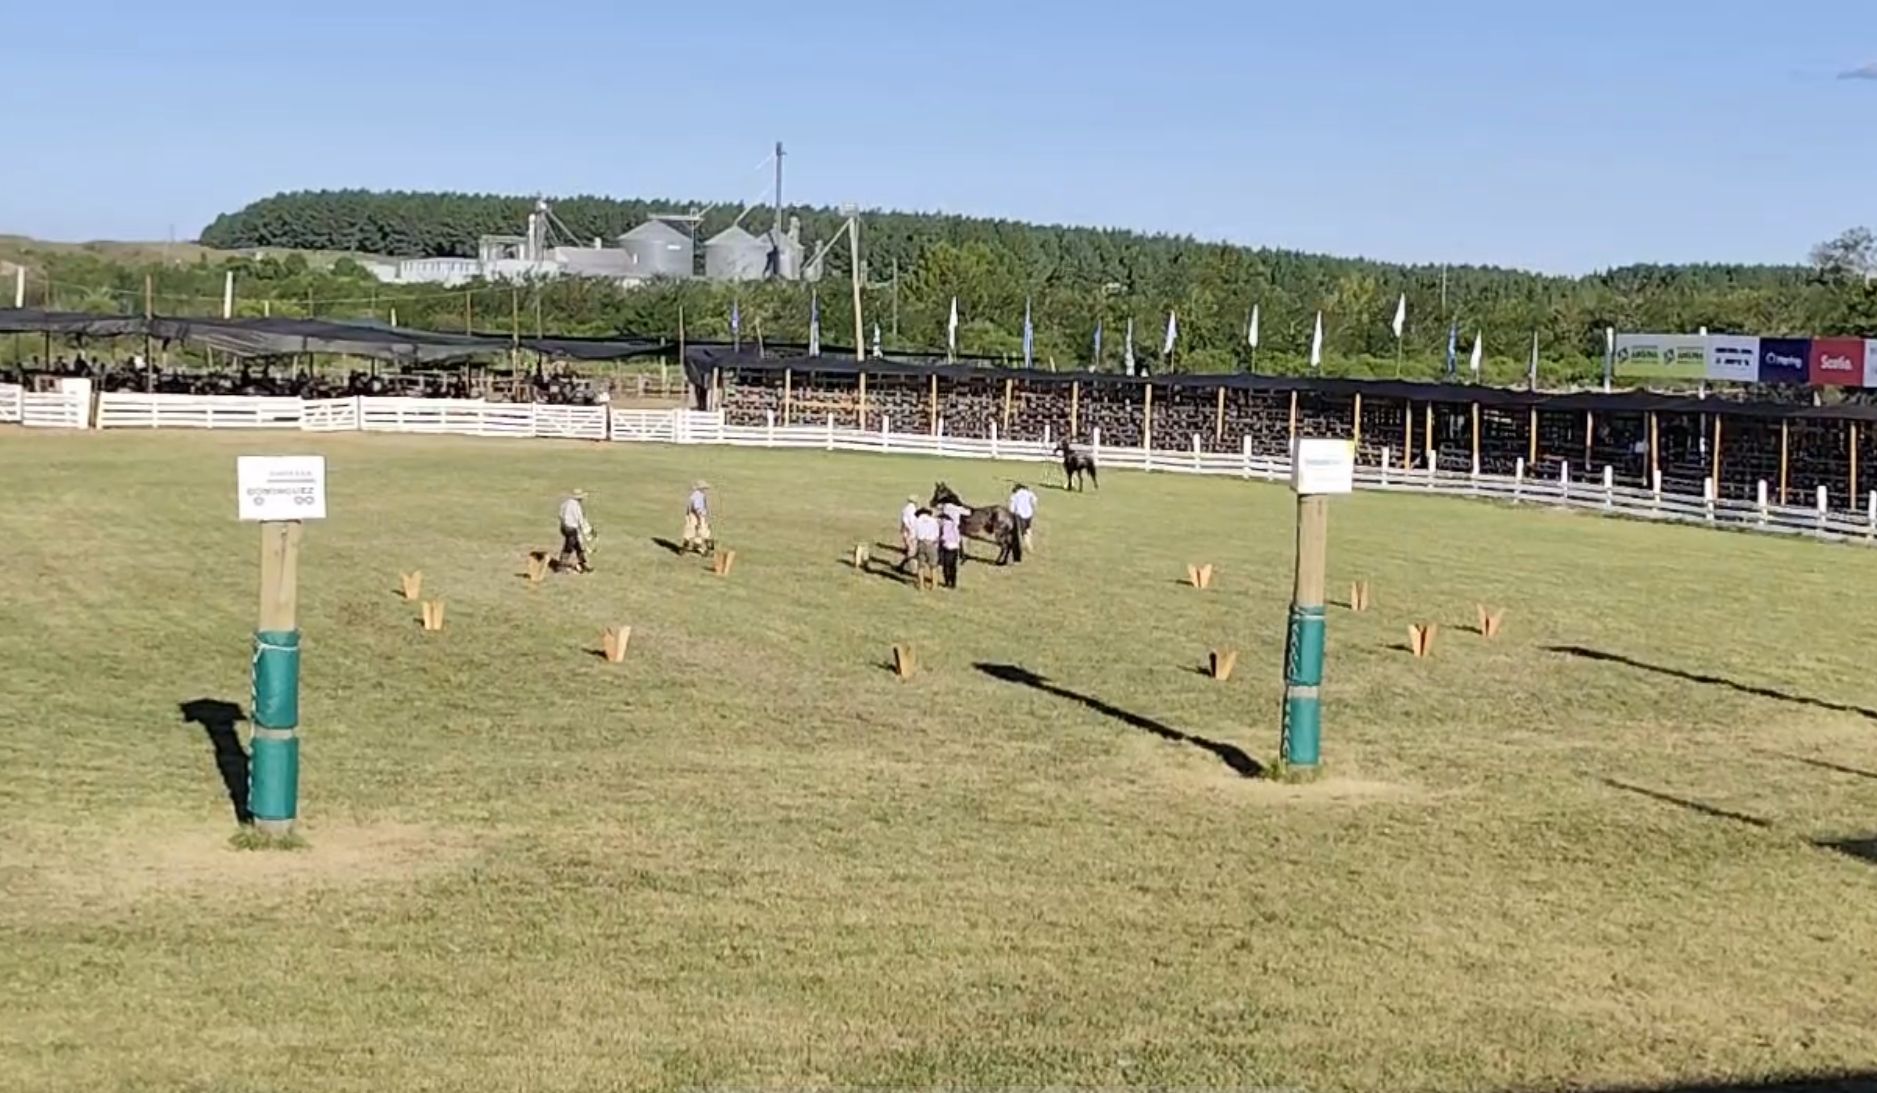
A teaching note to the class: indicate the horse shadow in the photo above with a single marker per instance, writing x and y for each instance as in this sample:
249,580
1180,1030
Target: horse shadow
1707,680
661,541
218,720
873,568
1231,755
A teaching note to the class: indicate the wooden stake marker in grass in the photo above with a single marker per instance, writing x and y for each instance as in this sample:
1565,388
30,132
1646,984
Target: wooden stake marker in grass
721,562
412,584
903,664
1421,638
1222,662
1359,596
613,641
1489,622
861,555
1199,576
433,615
537,566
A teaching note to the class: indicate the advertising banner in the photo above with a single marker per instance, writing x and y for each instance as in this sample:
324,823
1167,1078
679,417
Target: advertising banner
1836,362
1734,358
1870,362
1785,360
1677,356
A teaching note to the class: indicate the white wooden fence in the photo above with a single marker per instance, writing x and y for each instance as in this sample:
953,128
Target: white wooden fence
464,417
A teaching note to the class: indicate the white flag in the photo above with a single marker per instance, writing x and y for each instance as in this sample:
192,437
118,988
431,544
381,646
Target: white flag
1401,316
1316,345
1479,343
1173,332
951,329
1251,332
1127,353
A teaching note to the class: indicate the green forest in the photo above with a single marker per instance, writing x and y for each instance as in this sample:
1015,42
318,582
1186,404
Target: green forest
1072,278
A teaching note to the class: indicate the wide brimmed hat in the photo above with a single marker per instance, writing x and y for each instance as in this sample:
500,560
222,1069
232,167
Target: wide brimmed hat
700,484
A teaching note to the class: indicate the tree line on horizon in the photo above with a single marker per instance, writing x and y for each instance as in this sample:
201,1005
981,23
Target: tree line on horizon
1070,279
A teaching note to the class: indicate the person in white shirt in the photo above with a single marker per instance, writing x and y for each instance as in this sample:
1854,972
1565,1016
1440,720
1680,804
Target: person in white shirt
1023,507
697,521
575,531
908,531
926,532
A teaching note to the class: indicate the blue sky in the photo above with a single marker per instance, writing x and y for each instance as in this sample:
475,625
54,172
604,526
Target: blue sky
1562,137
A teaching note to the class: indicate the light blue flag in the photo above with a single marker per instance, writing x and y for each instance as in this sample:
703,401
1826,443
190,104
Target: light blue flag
1029,336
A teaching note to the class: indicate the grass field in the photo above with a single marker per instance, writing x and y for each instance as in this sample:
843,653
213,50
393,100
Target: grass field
749,856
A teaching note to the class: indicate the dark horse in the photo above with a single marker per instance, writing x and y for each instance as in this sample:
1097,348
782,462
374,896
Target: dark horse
992,523
1075,464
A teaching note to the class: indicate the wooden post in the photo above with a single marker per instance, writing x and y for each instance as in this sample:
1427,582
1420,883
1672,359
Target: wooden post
1007,393
1075,408
1147,422
1853,493
1300,744
274,770
863,400
1531,446
1293,417
1782,462
1655,450
1407,435
1590,431
788,393
1358,427
149,297
469,313
1476,438
932,406
1717,457
1218,418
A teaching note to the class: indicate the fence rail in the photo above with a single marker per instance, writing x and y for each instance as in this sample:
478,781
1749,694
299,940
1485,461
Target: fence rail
469,417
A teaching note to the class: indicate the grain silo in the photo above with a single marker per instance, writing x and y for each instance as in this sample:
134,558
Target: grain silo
735,255
656,249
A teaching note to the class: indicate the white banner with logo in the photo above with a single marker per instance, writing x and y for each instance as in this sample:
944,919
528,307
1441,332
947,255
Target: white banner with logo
1734,358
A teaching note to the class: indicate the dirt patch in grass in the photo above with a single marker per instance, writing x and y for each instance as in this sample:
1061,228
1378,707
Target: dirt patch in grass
122,868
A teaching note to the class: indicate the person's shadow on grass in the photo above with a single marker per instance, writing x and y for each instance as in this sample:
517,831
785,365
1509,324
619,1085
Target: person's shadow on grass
218,720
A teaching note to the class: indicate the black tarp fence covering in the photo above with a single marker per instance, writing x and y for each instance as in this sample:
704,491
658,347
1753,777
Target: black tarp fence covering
283,336
700,361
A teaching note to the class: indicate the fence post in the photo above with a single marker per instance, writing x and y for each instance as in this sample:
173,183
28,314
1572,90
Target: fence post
1564,482
770,417
1094,443
1387,457
1707,497
1824,506
886,426
830,444
1656,488
1518,479
1870,519
1195,453
1760,490
1609,488
1046,440
993,438
939,434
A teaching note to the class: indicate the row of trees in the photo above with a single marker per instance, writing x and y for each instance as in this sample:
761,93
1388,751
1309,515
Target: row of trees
1070,278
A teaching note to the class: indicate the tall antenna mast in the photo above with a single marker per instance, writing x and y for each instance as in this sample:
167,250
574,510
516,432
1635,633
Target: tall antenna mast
778,193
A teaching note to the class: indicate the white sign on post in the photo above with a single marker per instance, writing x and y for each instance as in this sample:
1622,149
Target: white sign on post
281,487
1323,466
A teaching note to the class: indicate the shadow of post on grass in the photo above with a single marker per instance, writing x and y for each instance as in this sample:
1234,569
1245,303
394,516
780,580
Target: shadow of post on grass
1602,657
1231,755
218,719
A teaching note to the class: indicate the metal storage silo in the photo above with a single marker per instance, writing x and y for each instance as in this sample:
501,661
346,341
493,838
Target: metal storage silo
735,255
786,248
656,249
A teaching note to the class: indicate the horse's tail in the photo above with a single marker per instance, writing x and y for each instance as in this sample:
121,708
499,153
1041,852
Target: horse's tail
1092,476
1014,537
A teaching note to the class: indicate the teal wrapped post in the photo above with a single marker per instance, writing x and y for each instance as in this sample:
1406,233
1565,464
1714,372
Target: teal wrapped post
1303,681
274,771
1301,741
274,768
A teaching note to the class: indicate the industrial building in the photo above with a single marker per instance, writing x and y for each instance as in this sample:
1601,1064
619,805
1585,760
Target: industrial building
664,246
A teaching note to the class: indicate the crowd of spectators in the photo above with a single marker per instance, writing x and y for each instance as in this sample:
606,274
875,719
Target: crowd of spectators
559,385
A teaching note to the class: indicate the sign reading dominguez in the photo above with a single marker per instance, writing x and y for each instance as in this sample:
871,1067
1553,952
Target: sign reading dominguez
281,487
